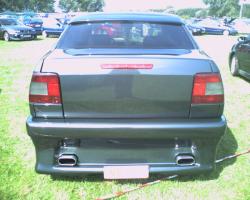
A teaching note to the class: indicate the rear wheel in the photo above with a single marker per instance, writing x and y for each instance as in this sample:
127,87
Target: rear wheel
234,67
6,36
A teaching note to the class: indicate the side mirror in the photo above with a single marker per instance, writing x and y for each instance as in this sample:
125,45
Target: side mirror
242,38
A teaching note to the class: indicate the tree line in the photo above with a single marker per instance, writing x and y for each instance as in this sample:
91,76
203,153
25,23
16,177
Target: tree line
216,8
81,5
31,5
48,5
221,8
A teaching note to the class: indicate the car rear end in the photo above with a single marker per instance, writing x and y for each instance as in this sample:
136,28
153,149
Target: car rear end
53,31
36,24
140,100
52,27
22,34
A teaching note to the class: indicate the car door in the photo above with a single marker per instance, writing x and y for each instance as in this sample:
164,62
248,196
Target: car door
243,54
213,29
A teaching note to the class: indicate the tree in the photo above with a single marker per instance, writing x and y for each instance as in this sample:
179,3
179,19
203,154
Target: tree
201,13
188,12
93,5
42,6
68,5
246,11
34,5
221,8
81,5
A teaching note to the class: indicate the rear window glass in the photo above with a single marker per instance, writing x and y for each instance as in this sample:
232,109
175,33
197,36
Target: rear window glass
130,35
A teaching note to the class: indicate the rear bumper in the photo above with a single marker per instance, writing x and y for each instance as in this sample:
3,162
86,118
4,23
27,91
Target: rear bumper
53,32
126,128
39,30
22,36
233,32
126,142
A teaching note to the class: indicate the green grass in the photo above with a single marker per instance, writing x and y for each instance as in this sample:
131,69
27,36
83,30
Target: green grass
231,179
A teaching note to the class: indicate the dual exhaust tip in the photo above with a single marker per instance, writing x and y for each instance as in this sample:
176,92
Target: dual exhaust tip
185,160
67,160
70,160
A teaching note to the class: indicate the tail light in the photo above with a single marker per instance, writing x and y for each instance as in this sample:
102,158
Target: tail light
45,88
207,89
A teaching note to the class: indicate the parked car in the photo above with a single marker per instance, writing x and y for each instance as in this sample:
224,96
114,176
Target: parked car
63,20
143,100
215,28
52,27
35,23
241,25
196,29
10,29
239,57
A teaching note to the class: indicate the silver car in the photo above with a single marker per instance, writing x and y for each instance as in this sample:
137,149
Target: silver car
126,95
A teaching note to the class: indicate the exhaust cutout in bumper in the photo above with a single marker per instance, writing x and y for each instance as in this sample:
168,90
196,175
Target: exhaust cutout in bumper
185,160
67,160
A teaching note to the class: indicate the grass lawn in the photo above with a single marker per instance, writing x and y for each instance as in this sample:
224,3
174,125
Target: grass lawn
18,180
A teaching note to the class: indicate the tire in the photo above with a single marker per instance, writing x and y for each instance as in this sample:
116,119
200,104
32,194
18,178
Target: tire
234,66
45,35
6,36
34,37
226,32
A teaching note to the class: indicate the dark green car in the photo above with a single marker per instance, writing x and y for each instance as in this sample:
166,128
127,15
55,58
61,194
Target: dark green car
10,29
239,57
126,95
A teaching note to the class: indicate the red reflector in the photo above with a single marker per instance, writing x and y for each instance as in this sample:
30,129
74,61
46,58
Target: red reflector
207,88
45,88
127,66
208,99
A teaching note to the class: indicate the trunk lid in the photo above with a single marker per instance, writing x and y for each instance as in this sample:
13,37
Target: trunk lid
90,91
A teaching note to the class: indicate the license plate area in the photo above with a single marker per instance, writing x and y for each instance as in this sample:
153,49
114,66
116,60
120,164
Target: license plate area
26,36
126,172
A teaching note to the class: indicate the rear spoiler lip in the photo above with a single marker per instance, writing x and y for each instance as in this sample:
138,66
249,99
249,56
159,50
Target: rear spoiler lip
102,51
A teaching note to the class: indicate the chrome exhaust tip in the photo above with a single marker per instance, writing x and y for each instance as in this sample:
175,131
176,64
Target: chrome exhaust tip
185,160
67,160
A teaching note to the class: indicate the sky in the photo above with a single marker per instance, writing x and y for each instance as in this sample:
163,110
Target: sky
142,5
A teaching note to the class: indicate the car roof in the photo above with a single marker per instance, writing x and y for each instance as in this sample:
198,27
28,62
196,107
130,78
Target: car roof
148,17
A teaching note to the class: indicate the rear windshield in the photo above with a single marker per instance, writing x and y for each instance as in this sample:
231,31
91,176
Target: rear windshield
129,35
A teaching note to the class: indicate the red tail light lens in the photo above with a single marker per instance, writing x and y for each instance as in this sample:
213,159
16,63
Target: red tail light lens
207,88
45,88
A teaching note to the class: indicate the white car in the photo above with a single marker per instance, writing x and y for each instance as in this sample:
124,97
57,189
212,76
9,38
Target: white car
242,25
